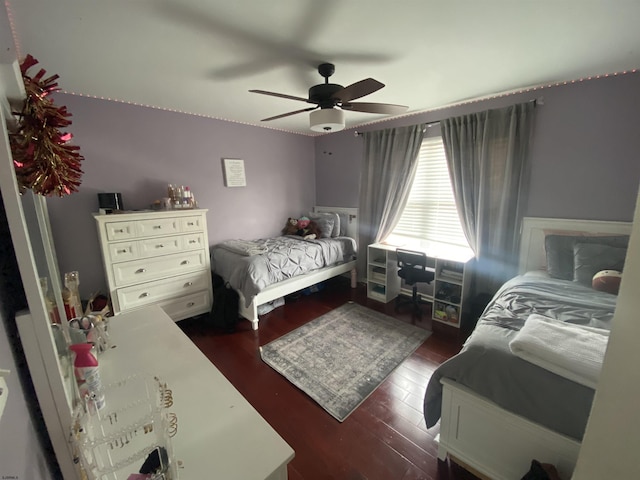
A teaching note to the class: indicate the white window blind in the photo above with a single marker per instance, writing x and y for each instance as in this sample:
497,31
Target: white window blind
431,212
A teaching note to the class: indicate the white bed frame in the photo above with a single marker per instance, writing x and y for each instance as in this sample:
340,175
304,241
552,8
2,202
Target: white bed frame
292,285
488,440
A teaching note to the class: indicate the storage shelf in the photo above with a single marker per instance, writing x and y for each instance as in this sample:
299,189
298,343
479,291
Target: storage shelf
383,283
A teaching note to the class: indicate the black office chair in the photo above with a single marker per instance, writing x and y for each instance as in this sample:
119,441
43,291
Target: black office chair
413,269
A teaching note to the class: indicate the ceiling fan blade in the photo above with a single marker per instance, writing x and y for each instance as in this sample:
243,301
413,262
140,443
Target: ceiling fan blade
288,114
282,95
384,108
357,90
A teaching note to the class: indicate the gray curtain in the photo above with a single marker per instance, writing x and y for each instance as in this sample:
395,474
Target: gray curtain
487,154
390,162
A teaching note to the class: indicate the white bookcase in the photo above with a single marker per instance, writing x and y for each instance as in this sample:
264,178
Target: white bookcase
447,292
450,288
383,283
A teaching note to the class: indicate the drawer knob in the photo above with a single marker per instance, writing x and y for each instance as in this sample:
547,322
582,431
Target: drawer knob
141,270
192,241
191,224
191,304
160,245
143,295
157,227
188,284
119,230
122,251
184,262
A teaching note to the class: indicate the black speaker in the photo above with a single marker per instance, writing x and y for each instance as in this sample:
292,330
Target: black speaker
108,202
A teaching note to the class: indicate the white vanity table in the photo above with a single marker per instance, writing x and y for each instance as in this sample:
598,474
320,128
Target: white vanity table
220,435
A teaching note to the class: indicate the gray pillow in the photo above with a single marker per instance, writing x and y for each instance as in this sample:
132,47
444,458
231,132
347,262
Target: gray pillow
590,258
344,221
325,225
560,256
335,230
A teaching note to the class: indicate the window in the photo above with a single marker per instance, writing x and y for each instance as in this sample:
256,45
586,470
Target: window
431,212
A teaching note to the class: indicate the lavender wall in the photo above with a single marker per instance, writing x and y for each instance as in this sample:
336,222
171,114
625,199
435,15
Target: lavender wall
584,157
137,151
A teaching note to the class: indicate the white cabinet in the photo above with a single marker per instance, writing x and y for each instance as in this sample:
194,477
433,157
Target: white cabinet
157,258
450,290
383,283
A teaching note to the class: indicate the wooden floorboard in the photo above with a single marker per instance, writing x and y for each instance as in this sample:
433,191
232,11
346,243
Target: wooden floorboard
385,438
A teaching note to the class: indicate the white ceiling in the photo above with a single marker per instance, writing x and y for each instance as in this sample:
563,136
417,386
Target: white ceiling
202,56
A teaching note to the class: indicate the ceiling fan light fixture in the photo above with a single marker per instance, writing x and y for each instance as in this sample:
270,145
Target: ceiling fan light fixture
327,120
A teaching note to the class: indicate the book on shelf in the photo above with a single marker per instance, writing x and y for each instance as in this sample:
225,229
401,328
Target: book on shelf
454,274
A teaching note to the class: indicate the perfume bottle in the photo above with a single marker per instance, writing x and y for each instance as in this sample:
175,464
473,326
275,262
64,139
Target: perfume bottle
72,283
52,310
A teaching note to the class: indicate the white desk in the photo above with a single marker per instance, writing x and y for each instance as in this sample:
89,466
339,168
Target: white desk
220,435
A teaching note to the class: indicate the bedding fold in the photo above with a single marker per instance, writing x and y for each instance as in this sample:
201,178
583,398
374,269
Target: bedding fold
572,351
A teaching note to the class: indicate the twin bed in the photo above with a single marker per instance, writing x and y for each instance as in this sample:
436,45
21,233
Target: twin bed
498,411
262,271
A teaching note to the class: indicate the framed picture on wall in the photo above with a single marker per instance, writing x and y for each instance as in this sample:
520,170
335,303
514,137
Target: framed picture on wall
234,175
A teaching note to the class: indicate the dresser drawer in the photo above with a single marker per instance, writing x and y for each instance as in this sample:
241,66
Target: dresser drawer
159,246
122,252
120,230
153,292
147,269
188,306
193,241
192,224
157,226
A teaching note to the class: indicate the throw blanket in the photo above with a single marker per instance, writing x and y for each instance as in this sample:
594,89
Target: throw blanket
244,247
571,351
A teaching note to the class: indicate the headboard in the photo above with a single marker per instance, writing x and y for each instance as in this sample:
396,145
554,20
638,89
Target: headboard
534,229
352,216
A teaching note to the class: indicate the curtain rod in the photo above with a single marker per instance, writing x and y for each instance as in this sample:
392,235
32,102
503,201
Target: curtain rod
537,101
430,124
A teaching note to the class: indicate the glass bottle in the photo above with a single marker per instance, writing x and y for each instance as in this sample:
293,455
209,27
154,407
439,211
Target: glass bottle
72,283
52,310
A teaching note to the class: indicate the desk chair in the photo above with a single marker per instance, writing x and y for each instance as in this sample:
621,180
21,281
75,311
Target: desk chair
413,269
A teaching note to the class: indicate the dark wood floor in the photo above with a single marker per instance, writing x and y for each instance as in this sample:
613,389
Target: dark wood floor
385,438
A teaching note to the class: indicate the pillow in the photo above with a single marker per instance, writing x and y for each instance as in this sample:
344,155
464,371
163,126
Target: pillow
325,225
590,258
335,230
344,221
607,281
560,255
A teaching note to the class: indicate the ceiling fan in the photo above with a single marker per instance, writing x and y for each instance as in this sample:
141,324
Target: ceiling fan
331,100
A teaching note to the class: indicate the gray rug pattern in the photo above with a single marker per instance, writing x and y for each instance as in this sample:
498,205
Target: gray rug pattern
340,358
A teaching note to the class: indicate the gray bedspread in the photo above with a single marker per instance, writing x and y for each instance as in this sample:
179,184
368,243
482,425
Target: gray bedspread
285,257
486,365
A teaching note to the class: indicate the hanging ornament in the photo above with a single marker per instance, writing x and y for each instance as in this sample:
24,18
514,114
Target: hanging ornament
43,159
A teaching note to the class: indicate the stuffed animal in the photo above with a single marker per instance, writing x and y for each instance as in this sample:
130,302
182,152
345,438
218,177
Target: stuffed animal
302,227
308,229
291,227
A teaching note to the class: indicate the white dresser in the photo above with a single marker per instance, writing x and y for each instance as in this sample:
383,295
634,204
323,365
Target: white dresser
159,258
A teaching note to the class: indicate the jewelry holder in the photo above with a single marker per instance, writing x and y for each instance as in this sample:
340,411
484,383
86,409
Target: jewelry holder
130,437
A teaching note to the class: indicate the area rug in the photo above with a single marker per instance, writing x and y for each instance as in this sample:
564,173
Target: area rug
340,358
